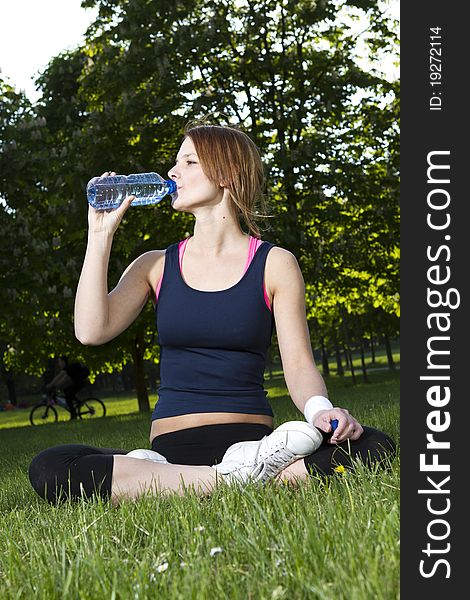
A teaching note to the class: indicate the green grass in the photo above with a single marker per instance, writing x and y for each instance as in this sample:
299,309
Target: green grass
124,404
380,362
337,539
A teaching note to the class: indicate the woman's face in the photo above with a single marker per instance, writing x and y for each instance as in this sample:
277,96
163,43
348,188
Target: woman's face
193,187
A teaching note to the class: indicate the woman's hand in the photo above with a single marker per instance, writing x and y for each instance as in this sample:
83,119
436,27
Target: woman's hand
348,428
107,221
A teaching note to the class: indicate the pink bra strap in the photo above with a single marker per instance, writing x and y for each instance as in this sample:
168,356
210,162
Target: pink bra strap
181,248
253,247
255,243
159,285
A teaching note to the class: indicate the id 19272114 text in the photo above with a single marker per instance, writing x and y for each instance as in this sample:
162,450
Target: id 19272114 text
435,68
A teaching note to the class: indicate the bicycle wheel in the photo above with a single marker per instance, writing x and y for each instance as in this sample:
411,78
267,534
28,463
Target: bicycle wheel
91,408
41,414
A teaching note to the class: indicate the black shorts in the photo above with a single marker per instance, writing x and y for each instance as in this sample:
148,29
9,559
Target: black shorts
207,444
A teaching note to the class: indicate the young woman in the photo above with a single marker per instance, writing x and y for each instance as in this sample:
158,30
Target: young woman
218,295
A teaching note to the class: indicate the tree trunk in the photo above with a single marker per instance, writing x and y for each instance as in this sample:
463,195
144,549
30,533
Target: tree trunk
346,356
9,382
351,366
388,349
365,378
348,351
372,348
339,364
11,390
324,358
139,373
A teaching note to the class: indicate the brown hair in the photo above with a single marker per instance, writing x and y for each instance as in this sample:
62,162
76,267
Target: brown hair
229,157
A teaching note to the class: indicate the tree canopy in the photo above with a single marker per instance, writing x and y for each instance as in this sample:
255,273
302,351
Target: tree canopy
288,73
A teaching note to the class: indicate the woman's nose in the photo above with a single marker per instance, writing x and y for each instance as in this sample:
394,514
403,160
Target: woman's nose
172,174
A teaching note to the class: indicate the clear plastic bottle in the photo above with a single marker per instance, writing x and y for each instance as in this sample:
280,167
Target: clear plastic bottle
107,193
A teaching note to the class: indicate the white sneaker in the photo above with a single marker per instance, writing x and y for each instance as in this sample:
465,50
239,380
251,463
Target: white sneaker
147,455
264,459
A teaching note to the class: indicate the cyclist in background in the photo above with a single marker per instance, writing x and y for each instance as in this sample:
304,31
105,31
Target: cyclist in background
72,377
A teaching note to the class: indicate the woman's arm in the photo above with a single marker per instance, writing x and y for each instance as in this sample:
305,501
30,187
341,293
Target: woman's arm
285,283
101,316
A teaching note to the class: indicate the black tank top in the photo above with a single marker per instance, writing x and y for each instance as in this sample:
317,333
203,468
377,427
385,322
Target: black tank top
213,345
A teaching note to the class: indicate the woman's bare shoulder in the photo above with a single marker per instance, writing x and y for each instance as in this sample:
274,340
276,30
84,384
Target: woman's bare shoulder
280,260
148,266
281,254
148,259
282,268
153,261
152,256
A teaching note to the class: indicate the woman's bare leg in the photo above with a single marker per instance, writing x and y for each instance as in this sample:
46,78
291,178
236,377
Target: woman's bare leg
260,459
294,473
133,477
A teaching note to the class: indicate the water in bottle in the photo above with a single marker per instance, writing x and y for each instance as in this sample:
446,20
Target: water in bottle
107,193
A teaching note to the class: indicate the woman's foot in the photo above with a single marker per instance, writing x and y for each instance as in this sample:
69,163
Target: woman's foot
264,459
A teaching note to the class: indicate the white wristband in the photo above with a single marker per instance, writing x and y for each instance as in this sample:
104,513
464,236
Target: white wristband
315,404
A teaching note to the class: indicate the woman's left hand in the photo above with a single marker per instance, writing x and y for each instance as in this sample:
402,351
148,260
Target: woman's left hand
348,428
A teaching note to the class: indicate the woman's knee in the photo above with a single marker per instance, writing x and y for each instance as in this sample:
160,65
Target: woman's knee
46,472
71,471
375,447
372,448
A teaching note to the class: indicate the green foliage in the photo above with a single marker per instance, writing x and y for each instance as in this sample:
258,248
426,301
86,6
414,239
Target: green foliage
286,72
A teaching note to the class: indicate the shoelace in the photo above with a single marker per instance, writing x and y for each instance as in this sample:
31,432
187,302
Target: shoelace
276,461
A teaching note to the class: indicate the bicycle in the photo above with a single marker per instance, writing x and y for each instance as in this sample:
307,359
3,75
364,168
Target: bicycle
45,411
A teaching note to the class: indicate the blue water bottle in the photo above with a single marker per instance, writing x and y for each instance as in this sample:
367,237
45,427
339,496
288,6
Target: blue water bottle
107,193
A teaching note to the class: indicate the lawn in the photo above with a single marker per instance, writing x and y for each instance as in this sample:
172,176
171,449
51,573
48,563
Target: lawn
334,539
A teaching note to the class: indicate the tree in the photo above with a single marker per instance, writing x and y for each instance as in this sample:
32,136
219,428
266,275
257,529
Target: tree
286,71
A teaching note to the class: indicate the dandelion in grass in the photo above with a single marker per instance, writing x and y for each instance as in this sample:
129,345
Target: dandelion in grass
280,567
162,567
137,592
215,551
278,592
340,469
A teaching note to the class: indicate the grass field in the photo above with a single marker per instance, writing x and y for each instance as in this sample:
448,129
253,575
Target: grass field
334,539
